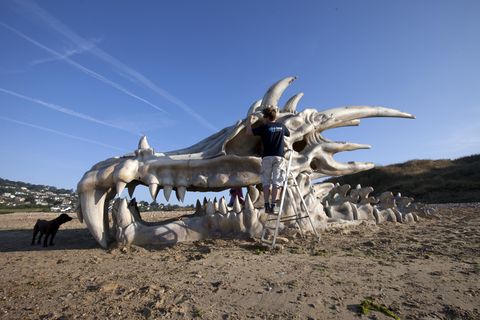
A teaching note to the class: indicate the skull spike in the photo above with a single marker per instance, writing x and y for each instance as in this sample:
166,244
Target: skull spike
143,143
291,105
255,107
331,118
274,93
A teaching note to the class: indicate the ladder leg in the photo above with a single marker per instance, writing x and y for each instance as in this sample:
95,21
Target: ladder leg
282,202
306,210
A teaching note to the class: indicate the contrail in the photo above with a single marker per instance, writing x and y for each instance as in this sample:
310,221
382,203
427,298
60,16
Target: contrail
82,68
66,111
62,134
124,70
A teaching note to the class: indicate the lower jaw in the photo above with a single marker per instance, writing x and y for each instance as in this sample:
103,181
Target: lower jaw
128,228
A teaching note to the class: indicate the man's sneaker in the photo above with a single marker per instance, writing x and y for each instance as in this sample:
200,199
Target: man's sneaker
273,209
267,208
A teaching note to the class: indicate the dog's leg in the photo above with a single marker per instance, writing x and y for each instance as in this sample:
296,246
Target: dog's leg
35,231
52,236
45,241
40,237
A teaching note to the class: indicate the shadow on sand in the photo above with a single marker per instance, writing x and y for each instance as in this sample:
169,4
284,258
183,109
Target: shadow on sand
19,240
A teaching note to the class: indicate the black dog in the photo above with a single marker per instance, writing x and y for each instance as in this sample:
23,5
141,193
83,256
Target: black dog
49,228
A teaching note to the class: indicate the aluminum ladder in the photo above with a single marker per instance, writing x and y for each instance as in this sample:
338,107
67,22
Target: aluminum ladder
290,181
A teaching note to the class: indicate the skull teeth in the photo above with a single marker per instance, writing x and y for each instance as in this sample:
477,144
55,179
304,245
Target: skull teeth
153,191
167,191
180,193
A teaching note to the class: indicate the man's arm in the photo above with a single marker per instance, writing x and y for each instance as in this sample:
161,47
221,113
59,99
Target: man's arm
251,119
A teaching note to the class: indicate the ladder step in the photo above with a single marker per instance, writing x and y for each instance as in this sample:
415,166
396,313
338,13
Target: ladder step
292,219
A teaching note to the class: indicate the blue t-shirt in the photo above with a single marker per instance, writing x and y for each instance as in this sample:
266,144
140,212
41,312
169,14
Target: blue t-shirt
272,134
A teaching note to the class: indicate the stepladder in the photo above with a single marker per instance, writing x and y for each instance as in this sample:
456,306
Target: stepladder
275,219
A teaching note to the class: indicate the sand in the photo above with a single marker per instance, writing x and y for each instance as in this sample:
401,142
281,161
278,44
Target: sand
429,270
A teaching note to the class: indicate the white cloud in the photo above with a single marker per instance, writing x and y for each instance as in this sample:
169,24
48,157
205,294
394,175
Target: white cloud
68,52
66,111
82,68
62,134
120,67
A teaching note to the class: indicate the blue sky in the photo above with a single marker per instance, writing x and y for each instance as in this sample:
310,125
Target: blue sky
80,81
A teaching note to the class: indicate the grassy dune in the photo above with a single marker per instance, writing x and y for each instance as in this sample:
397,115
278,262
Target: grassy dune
429,181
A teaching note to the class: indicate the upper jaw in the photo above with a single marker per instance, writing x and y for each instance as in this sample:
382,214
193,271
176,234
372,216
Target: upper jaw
164,172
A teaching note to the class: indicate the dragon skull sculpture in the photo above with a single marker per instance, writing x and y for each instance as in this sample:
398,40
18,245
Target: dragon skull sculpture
224,160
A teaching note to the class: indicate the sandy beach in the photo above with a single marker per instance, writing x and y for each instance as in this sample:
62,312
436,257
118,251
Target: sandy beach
429,270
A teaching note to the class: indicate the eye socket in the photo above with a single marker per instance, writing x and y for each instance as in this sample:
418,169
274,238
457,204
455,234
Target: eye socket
298,146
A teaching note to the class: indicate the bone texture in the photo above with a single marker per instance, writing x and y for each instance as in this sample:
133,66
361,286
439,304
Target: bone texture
230,158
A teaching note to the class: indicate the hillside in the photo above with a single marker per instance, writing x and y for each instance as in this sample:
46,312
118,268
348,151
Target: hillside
20,195
429,181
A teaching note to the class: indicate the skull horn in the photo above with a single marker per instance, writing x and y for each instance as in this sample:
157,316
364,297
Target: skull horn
275,92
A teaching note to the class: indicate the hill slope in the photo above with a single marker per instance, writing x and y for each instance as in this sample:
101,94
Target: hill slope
429,181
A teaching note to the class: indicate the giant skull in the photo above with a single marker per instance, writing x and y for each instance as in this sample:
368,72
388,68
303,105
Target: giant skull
226,159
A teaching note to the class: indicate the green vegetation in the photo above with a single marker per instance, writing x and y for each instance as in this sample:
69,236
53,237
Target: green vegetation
368,305
428,181
13,210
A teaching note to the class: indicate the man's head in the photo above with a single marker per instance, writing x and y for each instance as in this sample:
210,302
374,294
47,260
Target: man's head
270,113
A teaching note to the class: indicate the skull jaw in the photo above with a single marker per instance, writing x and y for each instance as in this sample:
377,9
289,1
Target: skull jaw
130,229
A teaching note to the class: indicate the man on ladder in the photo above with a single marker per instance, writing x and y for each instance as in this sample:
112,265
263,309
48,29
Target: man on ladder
273,171
273,159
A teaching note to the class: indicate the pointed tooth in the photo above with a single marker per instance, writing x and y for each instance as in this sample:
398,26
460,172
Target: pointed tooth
121,215
180,193
254,193
198,207
209,208
248,203
120,187
167,190
215,204
153,190
205,201
237,208
93,214
223,206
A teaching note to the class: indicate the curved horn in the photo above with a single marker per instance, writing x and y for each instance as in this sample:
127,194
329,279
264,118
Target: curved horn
274,93
253,108
291,105
332,117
